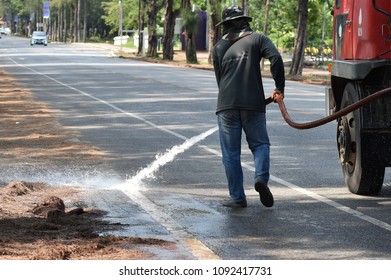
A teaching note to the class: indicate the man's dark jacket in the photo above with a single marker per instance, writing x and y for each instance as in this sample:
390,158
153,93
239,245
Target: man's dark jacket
237,67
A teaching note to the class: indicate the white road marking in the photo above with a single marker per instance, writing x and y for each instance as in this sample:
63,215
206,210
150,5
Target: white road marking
166,221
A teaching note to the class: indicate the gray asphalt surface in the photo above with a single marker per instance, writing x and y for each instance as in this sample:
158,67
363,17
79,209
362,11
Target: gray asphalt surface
134,111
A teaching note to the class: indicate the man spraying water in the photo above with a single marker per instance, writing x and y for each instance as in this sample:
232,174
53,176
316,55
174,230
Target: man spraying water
241,101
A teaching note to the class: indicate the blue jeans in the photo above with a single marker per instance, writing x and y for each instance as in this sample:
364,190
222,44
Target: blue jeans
253,123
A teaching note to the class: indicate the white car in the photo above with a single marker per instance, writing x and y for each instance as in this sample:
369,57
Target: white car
39,37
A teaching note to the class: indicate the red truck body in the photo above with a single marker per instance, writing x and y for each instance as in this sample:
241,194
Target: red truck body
360,31
362,66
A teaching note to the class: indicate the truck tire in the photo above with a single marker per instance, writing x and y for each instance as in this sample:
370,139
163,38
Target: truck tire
363,177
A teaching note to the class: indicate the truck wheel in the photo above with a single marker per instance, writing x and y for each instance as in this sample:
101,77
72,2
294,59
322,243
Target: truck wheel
364,177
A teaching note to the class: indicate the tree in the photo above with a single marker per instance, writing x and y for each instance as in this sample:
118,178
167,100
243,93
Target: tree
190,24
286,24
141,19
130,13
85,21
152,9
169,27
266,25
244,5
77,23
214,32
300,42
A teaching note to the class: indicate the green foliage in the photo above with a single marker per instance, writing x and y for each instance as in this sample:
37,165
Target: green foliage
283,22
111,15
104,15
190,21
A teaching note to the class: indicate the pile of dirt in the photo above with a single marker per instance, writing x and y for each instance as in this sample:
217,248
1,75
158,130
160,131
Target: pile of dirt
36,224
46,222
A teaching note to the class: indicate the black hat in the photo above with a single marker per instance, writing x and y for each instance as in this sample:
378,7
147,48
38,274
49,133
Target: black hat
231,13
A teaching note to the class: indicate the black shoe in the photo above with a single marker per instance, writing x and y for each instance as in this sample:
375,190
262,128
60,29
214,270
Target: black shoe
235,204
265,194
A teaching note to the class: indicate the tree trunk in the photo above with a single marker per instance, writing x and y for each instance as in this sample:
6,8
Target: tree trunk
244,6
78,27
85,22
266,26
65,29
267,12
72,23
214,32
54,30
169,26
141,19
59,19
191,50
152,36
300,41
190,28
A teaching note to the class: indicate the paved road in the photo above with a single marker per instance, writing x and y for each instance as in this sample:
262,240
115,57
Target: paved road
134,111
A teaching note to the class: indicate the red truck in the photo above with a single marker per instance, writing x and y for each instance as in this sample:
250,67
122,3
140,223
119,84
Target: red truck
362,66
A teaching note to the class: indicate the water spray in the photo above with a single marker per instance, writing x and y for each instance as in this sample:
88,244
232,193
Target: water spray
162,159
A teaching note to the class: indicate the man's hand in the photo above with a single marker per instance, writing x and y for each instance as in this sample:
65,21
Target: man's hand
277,95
